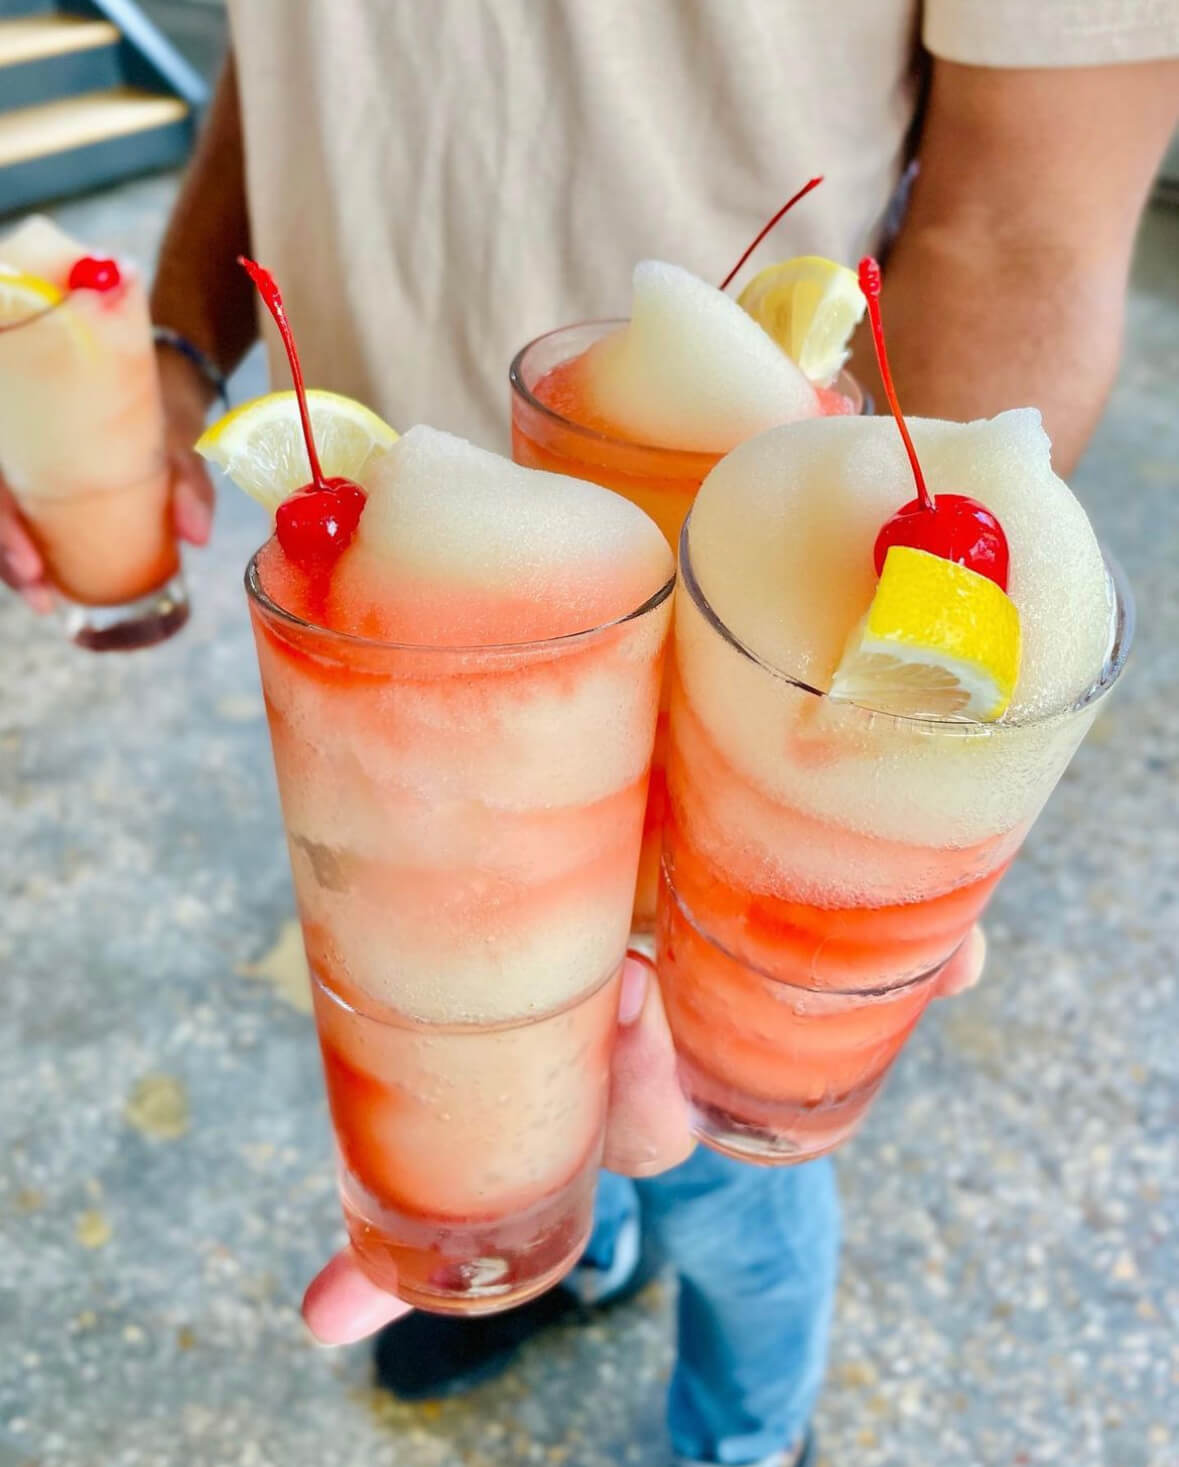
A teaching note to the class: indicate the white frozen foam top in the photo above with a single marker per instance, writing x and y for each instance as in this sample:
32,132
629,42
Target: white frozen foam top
38,247
452,518
691,369
783,531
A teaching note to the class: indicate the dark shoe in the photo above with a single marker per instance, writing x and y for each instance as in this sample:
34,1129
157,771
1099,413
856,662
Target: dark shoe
432,1355
425,1355
807,1456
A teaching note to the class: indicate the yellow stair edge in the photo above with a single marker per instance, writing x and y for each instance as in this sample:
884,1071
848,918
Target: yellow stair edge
76,122
35,37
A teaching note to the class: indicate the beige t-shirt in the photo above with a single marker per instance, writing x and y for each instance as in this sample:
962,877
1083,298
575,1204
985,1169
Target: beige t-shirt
433,184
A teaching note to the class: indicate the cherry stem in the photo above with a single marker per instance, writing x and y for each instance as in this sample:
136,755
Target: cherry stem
785,209
272,297
870,284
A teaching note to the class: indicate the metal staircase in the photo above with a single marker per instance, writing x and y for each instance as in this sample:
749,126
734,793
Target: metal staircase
90,92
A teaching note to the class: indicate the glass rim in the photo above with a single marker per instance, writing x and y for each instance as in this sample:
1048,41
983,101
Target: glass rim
875,990
1122,625
46,311
127,270
122,486
656,451
371,1010
258,595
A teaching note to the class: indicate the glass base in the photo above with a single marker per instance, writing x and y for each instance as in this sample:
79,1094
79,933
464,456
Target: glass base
140,623
447,1266
761,1145
770,1133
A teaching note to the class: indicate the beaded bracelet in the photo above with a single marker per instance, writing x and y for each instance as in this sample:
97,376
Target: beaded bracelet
177,341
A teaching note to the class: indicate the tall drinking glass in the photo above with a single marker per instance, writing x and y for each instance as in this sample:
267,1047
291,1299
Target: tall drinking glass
552,429
464,828
82,450
787,1000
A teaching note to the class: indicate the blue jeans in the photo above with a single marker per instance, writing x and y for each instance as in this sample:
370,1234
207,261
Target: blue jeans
756,1250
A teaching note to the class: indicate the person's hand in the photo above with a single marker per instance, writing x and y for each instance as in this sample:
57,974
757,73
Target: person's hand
965,968
647,1132
186,396
21,566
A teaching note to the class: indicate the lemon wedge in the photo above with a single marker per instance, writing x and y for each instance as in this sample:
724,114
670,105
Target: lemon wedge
810,306
260,444
939,641
23,296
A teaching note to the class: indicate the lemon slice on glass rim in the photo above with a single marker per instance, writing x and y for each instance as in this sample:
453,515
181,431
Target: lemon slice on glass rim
938,641
260,446
24,296
810,306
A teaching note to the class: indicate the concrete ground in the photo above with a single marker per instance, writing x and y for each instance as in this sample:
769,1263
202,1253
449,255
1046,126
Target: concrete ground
1011,1284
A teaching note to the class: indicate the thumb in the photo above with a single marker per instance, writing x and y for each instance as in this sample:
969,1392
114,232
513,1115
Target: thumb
343,1305
21,566
965,968
192,497
647,1129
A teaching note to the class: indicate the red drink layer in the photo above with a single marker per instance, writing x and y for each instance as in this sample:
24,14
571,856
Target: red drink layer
555,426
468,1154
463,824
787,1004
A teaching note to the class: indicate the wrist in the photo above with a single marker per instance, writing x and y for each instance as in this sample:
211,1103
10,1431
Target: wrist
180,358
186,397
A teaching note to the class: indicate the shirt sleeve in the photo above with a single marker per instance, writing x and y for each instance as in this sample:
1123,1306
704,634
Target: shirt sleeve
1051,32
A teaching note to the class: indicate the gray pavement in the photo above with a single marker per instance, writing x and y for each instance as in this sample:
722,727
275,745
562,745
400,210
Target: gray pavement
1011,1284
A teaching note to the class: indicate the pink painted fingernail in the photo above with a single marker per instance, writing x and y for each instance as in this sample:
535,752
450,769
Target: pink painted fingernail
635,977
192,517
342,1306
19,563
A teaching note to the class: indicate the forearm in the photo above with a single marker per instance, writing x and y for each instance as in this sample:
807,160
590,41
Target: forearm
198,287
1006,287
977,324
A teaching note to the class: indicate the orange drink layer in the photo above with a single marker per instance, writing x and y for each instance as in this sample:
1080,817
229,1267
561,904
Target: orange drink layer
818,873
110,547
464,827
554,427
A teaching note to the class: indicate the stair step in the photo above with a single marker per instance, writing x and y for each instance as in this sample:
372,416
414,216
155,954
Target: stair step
55,56
27,7
78,122
35,37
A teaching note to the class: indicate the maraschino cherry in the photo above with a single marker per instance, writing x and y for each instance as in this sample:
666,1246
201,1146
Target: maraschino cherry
316,522
951,525
91,273
769,224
